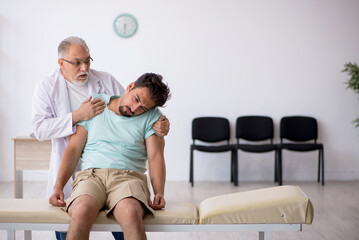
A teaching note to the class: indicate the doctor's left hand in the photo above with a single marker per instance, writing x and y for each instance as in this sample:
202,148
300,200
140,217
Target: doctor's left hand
57,198
88,109
162,126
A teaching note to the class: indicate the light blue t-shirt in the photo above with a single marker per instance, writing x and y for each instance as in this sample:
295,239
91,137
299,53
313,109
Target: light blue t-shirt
115,141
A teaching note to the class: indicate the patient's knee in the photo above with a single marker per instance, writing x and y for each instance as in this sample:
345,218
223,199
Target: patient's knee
129,211
84,208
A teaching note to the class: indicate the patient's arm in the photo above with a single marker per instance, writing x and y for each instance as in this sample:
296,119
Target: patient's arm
68,164
157,169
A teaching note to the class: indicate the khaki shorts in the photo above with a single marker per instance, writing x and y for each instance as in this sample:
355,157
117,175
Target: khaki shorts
108,186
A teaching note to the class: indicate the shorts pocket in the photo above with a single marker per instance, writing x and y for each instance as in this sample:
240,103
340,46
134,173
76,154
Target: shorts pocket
81,175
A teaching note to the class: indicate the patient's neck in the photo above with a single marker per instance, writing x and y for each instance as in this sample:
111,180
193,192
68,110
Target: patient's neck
113,105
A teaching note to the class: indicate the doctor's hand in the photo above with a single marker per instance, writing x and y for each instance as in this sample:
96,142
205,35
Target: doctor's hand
57,198
162,126
158,202
88,109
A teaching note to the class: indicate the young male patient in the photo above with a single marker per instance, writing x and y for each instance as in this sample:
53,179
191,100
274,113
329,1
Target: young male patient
114,147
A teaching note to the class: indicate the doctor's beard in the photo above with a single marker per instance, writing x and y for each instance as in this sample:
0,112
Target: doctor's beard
83,81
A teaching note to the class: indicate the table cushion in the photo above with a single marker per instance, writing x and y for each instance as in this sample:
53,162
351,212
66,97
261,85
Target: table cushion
276,205
40,211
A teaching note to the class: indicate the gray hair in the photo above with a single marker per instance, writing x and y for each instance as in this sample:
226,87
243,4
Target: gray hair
64,45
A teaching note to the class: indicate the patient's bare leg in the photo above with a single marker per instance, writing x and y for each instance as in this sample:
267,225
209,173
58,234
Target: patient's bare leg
129,214
83,211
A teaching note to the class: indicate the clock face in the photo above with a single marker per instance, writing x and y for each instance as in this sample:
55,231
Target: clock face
125,25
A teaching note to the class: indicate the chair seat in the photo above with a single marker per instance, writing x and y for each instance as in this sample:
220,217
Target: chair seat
301,147
204,148
257,148
211,130
299,130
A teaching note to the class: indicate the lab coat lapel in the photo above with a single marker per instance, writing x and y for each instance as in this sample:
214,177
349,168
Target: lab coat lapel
95,84
61,96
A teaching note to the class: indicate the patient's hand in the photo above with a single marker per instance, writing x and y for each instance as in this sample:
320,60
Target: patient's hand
158,202
57,199
162,126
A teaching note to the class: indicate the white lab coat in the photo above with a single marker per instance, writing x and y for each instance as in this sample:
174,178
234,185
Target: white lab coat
52,117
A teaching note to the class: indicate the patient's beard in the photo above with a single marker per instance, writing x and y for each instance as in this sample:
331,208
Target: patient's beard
125,111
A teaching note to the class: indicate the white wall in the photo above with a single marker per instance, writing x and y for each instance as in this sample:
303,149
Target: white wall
222,58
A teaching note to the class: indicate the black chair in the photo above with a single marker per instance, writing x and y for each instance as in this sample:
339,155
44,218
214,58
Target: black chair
299,130
257,129
211,130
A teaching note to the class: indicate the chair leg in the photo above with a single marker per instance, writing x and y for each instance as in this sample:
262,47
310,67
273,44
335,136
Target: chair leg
323,166
234,172
319,163
276,166
191,168
279,173
232,166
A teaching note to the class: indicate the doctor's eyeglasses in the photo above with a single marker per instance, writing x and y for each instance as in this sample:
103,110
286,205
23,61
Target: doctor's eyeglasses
78,62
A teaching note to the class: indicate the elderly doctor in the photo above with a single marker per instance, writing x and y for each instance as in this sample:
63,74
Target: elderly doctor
62,99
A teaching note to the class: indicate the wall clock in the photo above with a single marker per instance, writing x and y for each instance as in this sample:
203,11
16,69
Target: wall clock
125,25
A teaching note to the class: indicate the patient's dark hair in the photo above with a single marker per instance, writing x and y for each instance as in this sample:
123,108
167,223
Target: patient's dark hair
159,91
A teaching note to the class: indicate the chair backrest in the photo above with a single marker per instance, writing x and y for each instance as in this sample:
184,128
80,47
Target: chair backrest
298,128
254,128
210,129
